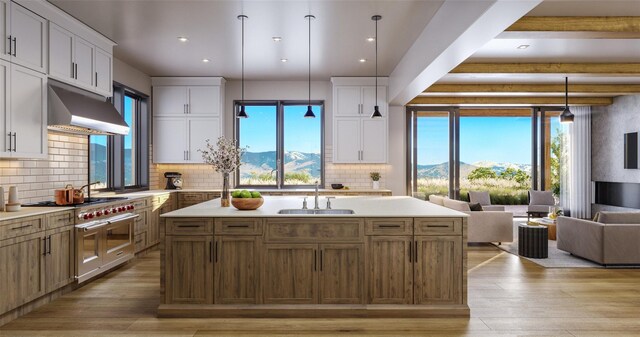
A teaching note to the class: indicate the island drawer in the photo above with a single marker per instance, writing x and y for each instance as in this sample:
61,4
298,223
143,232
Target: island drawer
389,226
60,219
314,230
18,227
189,226
238,226
438,226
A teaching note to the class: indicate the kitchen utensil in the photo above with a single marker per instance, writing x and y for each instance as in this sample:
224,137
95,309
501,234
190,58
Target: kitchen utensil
63,196
174,180
78,193
247,204
337,186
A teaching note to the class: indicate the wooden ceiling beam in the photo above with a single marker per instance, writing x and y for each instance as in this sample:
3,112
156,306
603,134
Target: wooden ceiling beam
620,89
614,24
548,68
506,101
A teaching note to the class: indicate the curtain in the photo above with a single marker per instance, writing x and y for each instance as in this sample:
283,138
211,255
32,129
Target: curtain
575,177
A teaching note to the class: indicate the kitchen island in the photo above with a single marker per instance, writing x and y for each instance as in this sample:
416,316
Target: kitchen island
393,257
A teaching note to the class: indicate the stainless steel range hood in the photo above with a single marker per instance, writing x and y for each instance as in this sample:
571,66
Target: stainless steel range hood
74,111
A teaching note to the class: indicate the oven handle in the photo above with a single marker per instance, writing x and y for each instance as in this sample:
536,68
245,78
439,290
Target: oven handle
108,222
126,218
88,228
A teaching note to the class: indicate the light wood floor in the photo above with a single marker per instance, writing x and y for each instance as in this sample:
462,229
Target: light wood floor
508,296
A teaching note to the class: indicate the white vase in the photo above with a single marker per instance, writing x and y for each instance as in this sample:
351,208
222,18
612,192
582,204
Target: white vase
376,185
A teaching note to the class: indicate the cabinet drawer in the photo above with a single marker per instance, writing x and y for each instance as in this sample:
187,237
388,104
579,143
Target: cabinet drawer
140,241
191,197
140,203
390,226
314,230
19,227
189,226
141,224
238,226
438,226
60,219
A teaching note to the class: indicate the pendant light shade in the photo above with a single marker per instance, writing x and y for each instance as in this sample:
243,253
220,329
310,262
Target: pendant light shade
241,112
566,116
309,113
376,110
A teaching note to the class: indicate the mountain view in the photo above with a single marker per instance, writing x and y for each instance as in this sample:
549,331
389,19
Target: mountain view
257,163
441,171
99,164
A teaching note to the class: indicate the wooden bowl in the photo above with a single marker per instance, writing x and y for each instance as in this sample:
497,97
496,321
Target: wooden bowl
247,204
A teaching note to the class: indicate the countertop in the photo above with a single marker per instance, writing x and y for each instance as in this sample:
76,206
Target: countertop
400,206
270,190
31,211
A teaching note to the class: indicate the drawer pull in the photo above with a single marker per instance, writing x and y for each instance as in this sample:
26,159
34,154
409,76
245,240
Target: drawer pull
139,241
189,226
120,253
438,226
21,227
237,226
389,226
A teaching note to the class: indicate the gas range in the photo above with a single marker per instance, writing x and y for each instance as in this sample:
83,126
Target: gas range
87,202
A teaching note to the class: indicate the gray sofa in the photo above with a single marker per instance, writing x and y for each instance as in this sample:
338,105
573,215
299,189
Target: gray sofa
612,238
484,199
483,226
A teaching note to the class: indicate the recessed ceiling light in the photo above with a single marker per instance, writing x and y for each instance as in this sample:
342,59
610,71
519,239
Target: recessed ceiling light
284,60
182,39
277,39
371,39
523,46
206,60
363,60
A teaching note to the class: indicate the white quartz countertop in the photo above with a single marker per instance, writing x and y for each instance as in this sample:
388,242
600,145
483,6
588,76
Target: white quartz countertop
31,211
400,206
150,193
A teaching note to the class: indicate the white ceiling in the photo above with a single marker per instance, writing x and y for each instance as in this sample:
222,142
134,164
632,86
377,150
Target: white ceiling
146,32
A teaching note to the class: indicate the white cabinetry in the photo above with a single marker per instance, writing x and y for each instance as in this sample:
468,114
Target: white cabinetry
23,112
186,112
357,138
103,64
24,39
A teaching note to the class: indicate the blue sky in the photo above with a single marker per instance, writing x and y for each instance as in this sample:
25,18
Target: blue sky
497,139
301,134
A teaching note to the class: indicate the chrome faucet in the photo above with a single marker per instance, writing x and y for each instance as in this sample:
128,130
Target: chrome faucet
329,202
316,203
304,203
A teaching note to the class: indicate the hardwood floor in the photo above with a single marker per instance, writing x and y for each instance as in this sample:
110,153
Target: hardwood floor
508,296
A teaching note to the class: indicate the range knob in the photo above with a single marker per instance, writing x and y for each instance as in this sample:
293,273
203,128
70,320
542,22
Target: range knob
98,213
81,216
130,207
106,212
91,215
114,210
122,209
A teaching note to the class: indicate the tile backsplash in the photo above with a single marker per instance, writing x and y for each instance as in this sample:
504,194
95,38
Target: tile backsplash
37,179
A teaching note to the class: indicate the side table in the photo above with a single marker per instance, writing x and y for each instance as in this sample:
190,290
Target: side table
533,241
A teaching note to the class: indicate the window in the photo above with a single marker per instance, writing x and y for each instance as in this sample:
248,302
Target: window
284,149
121,162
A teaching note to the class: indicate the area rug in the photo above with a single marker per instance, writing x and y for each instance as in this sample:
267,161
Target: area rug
557,258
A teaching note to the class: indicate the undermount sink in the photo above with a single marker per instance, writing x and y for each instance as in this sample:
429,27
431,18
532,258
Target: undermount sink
316,211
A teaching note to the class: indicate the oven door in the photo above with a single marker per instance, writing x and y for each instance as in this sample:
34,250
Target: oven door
118,240
89,249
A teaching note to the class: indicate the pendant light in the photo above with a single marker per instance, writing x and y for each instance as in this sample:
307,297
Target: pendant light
241,112
309,113
376,109
566,116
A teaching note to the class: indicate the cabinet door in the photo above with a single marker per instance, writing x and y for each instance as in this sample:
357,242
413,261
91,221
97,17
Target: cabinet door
28,112
21,271
5,28
346,141
374,140
104,72
60,53
438,270
169,100
369,100
60,258
5,116
29,31
169,140
199,130
290,274
84,55
237,269
390,270
153,228
189,268
348,101
204,100
341,276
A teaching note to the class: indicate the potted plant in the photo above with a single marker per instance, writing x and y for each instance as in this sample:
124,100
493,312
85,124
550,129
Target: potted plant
375,178
225,157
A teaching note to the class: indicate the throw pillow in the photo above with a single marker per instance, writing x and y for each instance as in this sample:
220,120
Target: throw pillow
475,207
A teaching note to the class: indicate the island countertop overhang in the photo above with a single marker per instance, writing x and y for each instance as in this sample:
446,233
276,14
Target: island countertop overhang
381,207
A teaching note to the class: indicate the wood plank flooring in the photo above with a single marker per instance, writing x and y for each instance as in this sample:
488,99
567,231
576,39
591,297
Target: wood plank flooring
508,296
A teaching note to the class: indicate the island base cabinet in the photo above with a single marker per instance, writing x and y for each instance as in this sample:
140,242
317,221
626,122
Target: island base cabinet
341,275
390,270
189,269
438,269
237,265
290,273
22,271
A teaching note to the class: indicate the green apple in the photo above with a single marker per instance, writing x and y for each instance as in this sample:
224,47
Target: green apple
255,194
245,194
235,194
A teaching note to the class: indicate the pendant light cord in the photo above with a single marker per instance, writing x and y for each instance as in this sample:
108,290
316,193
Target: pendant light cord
243,58
309,61
376,62
566,92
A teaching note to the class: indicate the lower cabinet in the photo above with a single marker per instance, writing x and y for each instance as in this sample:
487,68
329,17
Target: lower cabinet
237,268
189,269
22,270
390,269
438,270
59,257
313,273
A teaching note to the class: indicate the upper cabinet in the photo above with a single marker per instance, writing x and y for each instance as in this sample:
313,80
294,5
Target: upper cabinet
186,112
357,138
24,35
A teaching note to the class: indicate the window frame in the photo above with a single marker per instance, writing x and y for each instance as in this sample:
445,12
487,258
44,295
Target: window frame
280,134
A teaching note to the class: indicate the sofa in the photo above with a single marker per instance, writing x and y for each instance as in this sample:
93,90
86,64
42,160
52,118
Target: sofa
482,226
611,238
484,199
